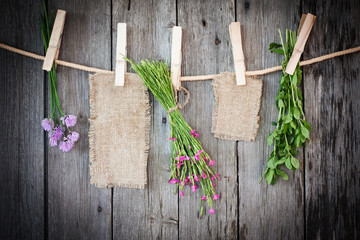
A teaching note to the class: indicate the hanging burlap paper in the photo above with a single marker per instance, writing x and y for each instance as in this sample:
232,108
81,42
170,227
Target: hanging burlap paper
119,131
236,108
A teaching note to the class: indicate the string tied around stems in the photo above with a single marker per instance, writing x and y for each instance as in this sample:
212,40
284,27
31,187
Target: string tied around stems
179,106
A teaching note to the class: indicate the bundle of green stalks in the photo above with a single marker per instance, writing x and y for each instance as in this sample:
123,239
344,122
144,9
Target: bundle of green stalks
190,164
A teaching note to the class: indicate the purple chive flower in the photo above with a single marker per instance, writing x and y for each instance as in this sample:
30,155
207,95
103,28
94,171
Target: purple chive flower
212,162
203,198
73,136
66,145
181,194
193,188
216,196
53,142
69,120
46,124
211,211
173,181
193,132
57,133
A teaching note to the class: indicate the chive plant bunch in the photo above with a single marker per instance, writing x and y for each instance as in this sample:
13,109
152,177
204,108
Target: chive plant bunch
292,130
190,164
58,124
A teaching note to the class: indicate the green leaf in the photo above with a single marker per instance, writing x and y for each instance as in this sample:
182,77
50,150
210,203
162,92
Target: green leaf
304,131
288,163
277,50
271,164
295,162
274,45
297,141
294,80
306,124
282,174
297,113
269,176
288,118
271,137
293,124
274,123
280,103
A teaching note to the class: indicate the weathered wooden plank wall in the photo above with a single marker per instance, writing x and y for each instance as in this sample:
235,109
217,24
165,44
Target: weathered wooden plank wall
46,194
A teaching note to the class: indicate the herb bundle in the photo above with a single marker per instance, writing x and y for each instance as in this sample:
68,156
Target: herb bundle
292,130
58,124
190,164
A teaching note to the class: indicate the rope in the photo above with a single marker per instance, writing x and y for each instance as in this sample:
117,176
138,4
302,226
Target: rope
183,78
178,106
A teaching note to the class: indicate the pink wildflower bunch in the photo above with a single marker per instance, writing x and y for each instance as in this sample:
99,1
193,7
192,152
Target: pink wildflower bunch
190,164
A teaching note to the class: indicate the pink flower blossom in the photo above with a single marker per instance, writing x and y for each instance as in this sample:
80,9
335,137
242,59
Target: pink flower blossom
179,164
171,138
214,184
69,120
189,147
212,162
211,211
197,157
204,176
199,152
46,124
173,181
216,196
73,136
66,145
181,194
205,159
196,179
193,132
203,198
193,188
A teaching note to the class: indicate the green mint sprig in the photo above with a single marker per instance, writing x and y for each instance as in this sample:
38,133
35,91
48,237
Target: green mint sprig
292,130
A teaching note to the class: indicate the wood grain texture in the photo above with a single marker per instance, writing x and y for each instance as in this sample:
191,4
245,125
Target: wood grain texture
207,50
78,210
267,212
151,213
21,112
332,108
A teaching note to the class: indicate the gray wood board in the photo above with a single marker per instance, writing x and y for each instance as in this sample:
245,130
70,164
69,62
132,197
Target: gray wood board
332,108
151,213
78,210
206,49
22,138
267,212
47,194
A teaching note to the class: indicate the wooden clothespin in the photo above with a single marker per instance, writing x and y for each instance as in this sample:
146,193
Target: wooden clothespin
304,32
52,52
120,67
238,54
176,57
